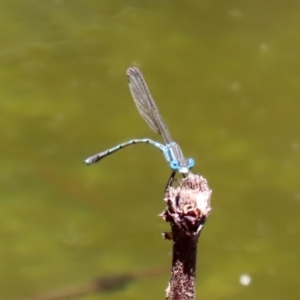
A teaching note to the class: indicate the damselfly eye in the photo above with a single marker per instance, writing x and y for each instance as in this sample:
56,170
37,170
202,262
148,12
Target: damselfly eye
191,163
174,165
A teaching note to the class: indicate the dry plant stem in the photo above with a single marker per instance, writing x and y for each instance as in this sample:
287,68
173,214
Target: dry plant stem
188,206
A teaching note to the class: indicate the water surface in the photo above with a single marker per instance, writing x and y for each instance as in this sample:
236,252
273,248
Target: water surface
225,76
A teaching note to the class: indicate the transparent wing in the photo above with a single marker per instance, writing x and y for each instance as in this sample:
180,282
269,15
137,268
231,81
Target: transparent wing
145,103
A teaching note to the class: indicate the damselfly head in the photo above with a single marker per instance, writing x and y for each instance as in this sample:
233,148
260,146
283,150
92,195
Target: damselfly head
182,166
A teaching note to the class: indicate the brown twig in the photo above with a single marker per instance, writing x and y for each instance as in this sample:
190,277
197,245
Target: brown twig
99,285
188,205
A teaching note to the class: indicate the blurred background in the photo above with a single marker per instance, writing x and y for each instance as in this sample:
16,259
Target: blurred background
225,76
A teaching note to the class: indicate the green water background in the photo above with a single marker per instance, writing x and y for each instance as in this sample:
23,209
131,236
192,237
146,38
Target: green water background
226,78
